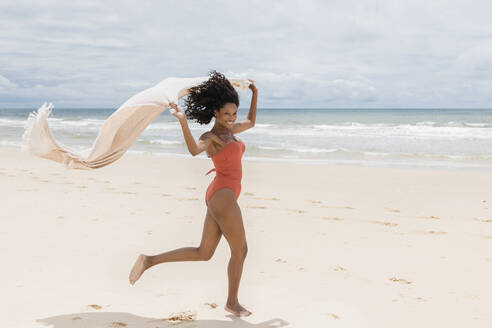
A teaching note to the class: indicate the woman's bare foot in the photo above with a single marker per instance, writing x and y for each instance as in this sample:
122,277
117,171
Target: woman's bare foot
237,309
138,268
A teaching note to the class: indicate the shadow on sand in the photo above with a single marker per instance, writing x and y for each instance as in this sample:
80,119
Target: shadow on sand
127,320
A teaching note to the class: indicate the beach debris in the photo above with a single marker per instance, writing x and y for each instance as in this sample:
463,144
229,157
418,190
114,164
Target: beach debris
95,306
117,324
181,317
339,268
400,280
280,260
392,210
433,217
333,315
212,305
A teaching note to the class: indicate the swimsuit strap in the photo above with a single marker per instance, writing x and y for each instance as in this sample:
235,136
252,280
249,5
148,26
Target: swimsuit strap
212,170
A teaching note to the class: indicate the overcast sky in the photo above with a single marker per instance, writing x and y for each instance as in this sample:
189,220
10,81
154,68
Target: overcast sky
324,54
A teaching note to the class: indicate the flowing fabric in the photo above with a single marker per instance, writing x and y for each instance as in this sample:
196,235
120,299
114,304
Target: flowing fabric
118,132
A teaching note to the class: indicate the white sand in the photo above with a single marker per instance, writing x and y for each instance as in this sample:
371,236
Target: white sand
329,246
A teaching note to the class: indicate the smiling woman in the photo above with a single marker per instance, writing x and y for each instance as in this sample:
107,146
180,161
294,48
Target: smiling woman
217,98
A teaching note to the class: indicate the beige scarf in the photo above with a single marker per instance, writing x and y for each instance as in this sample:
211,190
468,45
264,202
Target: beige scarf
118,132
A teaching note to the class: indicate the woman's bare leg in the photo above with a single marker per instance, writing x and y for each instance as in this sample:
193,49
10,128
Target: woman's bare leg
210,239
226,211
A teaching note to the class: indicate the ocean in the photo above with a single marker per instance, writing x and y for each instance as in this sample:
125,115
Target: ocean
444,138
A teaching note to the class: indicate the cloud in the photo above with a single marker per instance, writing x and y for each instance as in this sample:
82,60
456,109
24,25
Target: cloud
301,53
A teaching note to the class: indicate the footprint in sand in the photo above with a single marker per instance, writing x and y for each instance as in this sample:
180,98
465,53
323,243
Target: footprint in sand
483,220
257,207
339,268
297,211
341,207
280,260
95,306
392,210
117,324
266,198
389,224
60,217
76,318
432,217
400,280
331,218
432,232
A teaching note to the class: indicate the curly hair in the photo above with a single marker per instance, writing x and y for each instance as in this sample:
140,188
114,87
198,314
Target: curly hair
209,95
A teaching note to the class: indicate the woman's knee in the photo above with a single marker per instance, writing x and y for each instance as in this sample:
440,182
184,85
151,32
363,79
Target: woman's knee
205,254
240,251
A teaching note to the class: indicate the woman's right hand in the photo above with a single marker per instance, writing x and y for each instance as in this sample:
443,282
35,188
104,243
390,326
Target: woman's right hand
178,111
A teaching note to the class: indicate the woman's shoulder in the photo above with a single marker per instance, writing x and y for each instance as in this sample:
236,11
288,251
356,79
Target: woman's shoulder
210,135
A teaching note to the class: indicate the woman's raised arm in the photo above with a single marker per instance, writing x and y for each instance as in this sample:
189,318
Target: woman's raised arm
250,121
194,147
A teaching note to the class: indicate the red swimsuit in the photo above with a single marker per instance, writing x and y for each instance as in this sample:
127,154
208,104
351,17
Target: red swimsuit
228,170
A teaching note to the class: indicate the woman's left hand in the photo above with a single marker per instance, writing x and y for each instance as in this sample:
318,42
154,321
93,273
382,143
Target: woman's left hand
252,86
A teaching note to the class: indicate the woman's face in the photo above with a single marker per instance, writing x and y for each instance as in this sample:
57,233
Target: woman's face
227,115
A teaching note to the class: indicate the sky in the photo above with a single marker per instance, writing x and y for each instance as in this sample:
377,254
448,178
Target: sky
302,54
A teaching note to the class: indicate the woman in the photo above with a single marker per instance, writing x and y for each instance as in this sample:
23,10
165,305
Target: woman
217,98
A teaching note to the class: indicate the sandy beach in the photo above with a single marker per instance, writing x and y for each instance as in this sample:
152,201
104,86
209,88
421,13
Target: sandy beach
329,246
